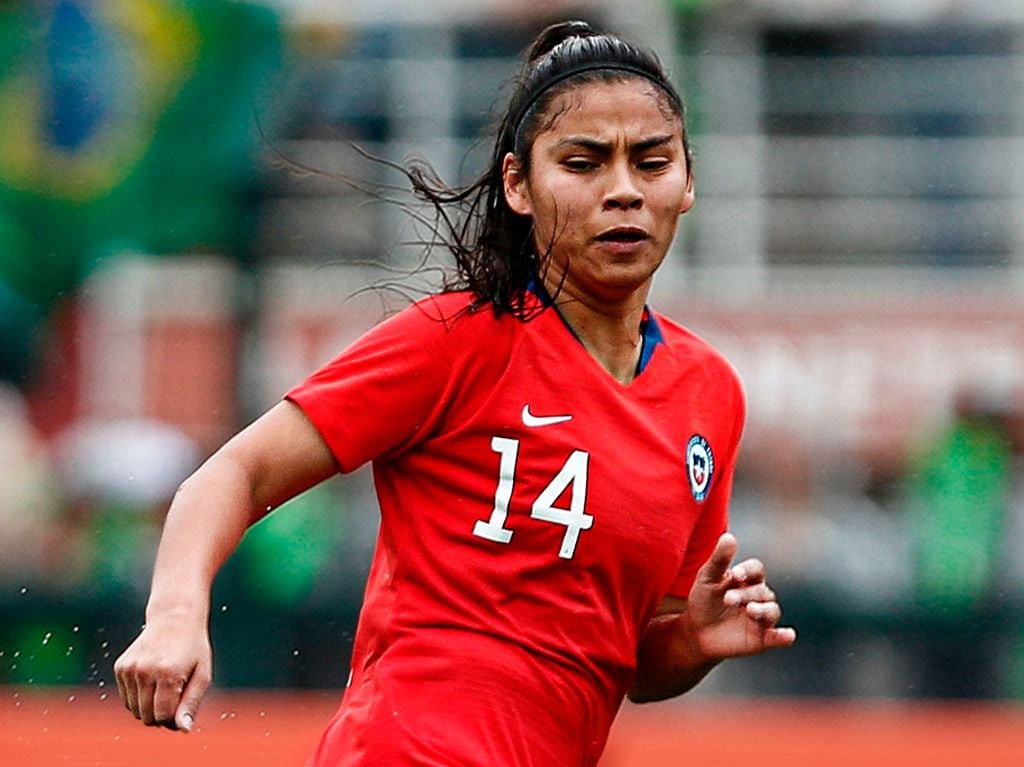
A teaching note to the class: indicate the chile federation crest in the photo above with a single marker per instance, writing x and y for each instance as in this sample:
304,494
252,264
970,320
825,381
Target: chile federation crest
700,466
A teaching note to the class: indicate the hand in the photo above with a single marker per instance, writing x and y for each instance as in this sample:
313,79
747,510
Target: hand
731,610
165,672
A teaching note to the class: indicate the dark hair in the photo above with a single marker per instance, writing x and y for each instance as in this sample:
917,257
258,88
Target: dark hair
493,247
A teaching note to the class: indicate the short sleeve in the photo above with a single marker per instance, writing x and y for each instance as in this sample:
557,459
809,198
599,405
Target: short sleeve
380,395
714,517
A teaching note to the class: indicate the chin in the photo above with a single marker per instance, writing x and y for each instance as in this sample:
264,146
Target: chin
620,283
628,274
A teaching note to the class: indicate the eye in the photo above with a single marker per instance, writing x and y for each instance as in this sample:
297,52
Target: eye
652,164
579,164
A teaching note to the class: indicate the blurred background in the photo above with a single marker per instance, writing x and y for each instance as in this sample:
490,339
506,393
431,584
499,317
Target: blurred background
189,222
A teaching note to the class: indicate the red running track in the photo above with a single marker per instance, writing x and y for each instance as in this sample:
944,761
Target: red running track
88,726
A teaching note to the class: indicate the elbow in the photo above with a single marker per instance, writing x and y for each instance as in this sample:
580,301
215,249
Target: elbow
648,686
638,696
184,490
645,693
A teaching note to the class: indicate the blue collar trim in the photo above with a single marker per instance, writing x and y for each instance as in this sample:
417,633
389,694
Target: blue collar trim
650,332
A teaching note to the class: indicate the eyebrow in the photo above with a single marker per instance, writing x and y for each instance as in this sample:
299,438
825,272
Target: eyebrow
596,145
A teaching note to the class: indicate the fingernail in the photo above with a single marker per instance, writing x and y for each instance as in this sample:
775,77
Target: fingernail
186,720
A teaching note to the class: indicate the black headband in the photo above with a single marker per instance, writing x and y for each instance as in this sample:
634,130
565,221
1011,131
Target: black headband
591,66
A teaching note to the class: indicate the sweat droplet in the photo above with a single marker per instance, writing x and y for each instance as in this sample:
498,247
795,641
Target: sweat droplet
24,590
223,608
71,699
46,639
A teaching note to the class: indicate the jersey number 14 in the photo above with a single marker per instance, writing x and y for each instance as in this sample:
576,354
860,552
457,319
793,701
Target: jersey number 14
575,519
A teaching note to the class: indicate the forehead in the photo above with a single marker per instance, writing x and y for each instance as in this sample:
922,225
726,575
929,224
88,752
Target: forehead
631,106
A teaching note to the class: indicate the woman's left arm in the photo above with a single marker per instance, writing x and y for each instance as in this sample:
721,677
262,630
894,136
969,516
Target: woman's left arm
731,612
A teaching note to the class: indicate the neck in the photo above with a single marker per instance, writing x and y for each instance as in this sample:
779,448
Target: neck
610,331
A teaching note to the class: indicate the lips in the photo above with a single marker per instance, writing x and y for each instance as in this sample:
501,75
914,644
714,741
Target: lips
624,234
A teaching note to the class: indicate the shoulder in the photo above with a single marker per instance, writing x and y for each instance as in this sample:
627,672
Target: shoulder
441,320
450,331
690,349
443,315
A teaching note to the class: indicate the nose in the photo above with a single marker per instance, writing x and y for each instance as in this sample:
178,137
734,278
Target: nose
622,192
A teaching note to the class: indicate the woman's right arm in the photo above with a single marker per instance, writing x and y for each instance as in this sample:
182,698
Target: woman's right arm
164,673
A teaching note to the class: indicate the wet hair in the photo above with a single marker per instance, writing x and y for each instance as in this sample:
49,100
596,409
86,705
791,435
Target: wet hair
493,246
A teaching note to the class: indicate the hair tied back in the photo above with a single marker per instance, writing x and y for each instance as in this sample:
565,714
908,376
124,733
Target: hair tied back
553,36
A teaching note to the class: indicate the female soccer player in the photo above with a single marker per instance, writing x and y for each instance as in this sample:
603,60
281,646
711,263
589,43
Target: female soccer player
553,459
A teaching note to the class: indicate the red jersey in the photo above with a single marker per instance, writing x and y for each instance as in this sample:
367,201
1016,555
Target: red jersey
534,512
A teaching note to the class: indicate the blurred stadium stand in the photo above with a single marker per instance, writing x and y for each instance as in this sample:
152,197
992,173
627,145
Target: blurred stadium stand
857,250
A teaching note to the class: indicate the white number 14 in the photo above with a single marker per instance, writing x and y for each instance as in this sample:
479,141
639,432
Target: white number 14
575,518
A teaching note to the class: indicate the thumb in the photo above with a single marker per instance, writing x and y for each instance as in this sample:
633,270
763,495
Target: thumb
715,569
191,697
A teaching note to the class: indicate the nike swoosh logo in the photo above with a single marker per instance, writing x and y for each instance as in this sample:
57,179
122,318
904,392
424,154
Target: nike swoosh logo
529,419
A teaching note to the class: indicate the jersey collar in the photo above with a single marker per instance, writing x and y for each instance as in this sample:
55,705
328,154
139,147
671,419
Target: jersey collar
650,332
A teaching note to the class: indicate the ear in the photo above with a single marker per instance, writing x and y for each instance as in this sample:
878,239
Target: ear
517,191
689,197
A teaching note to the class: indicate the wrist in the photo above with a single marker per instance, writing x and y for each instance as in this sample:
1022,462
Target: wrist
176,608
689,650
670,660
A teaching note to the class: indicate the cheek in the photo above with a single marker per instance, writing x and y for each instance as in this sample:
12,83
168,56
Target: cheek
668,210
559,208
668,204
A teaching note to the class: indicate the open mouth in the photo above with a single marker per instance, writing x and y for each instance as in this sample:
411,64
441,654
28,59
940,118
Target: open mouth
623,235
